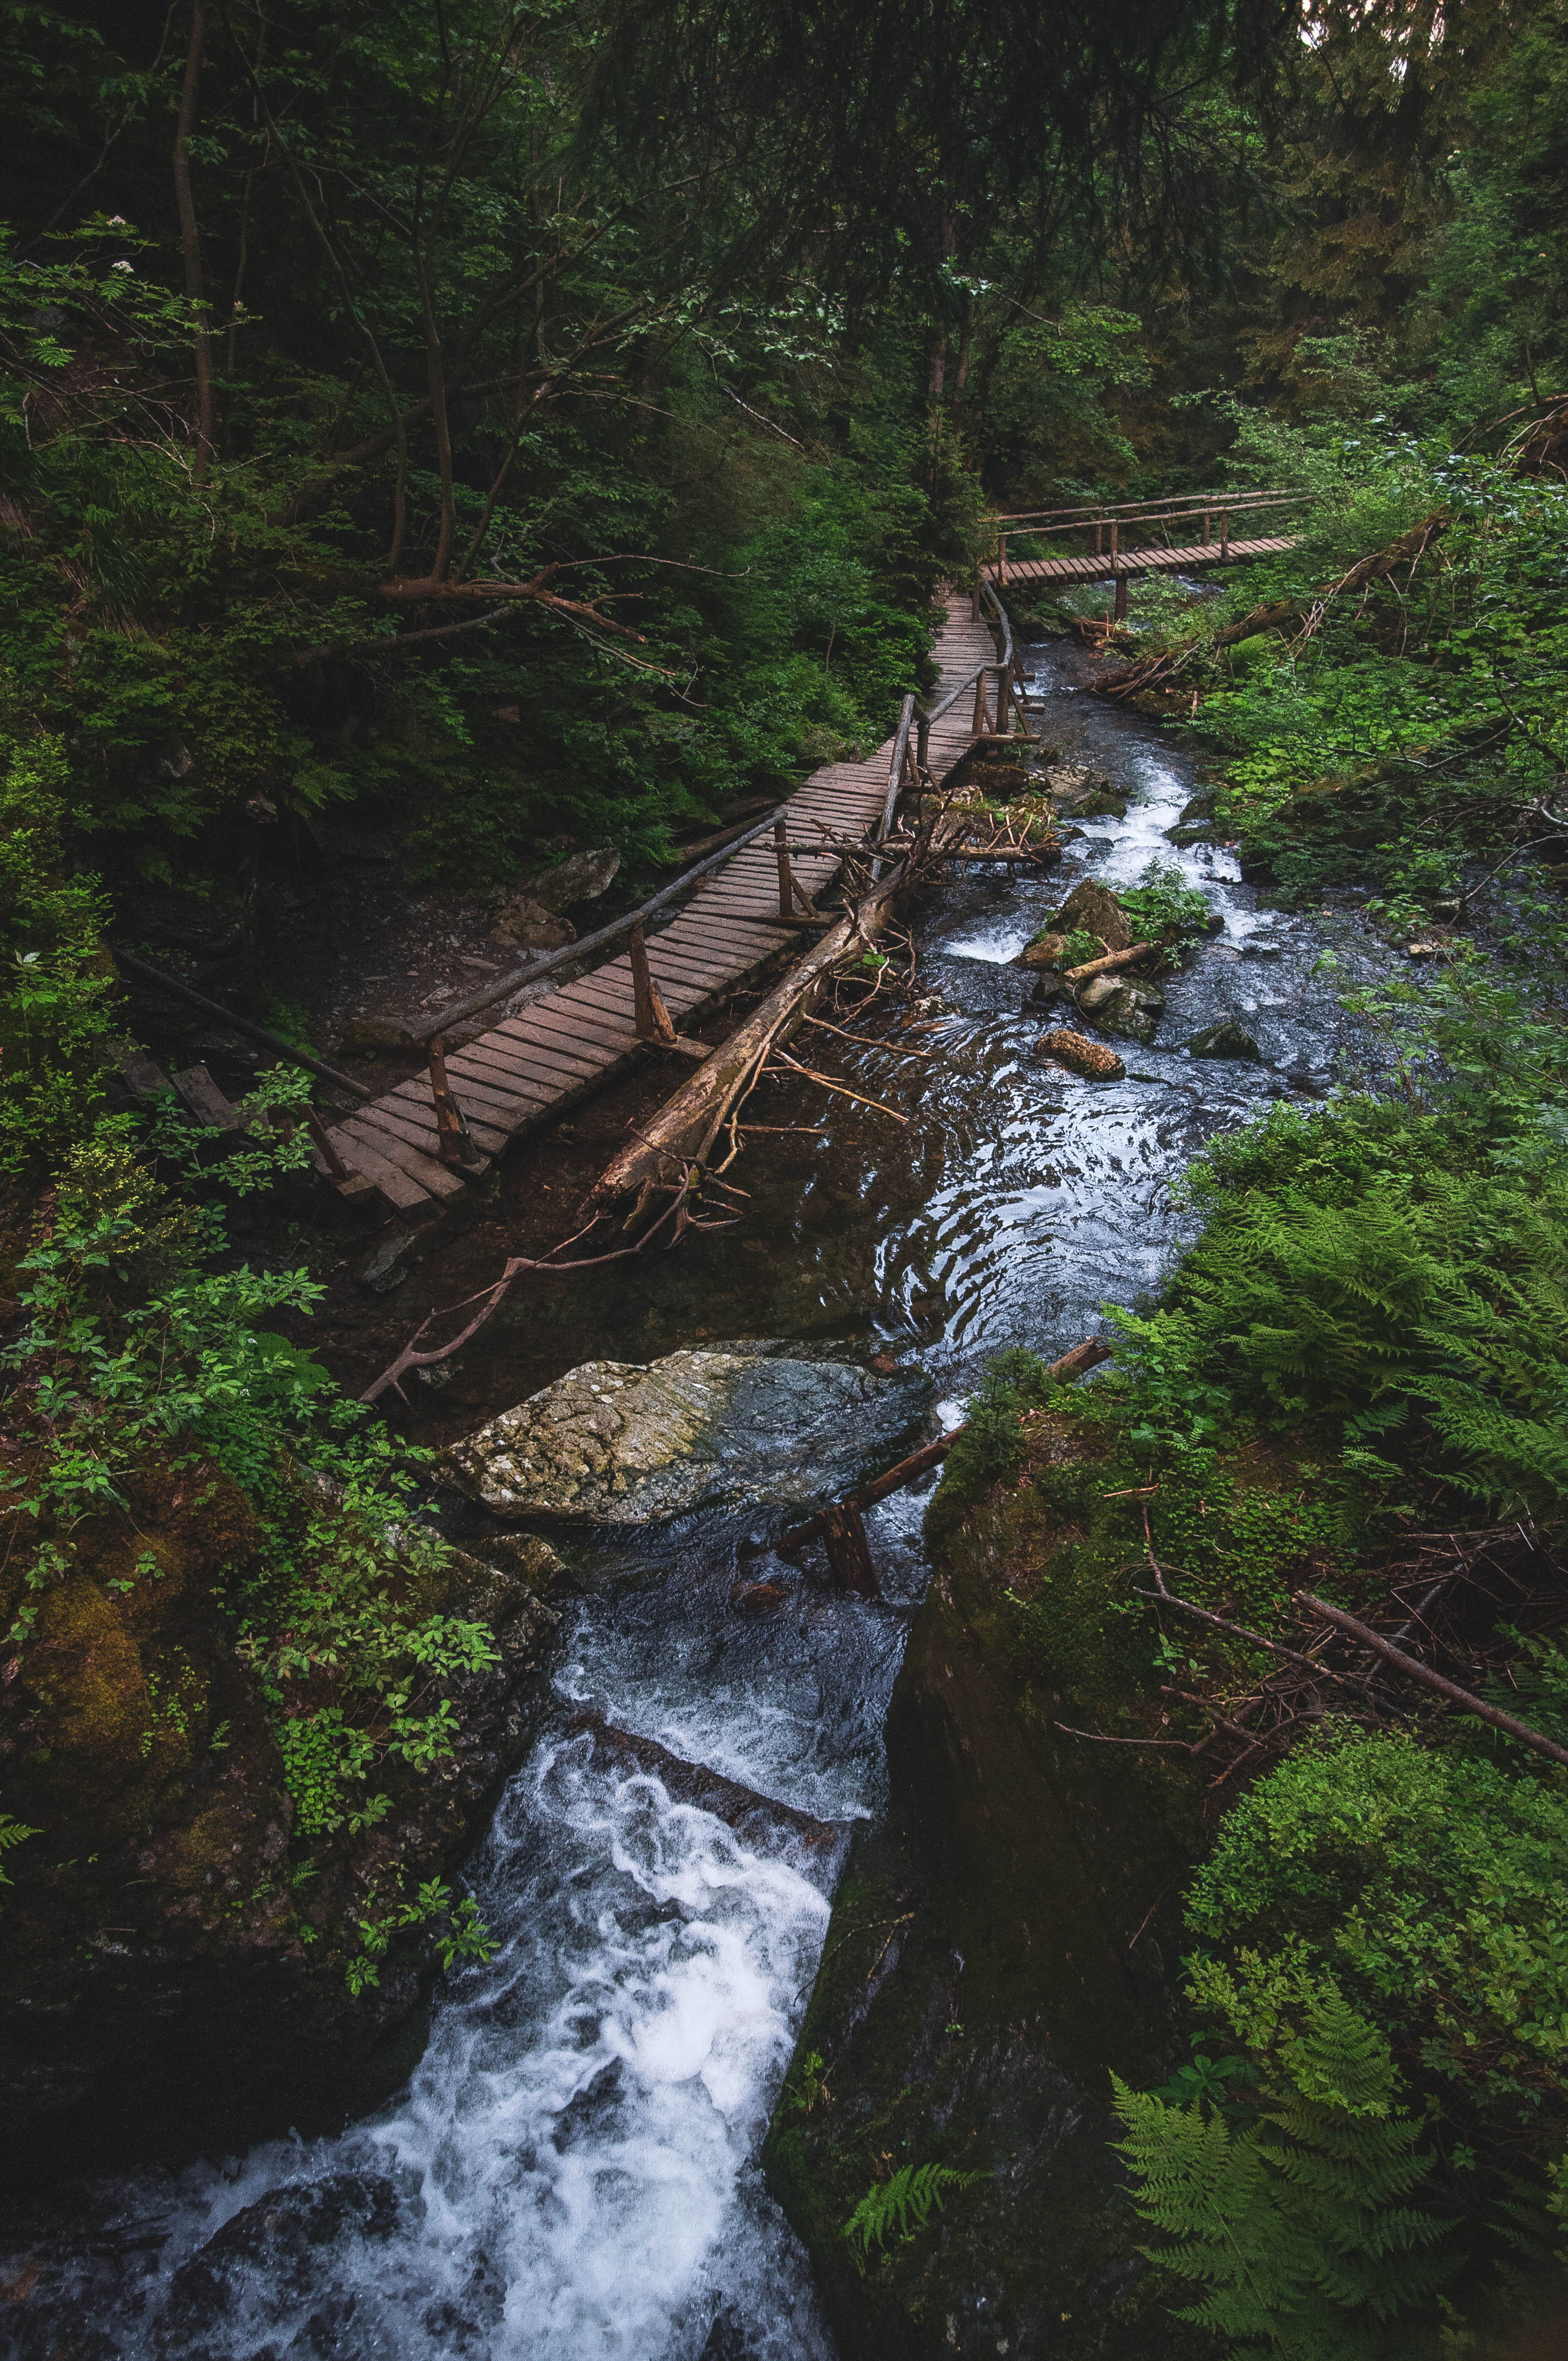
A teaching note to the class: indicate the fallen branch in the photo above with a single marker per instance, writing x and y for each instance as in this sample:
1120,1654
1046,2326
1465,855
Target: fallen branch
811,1075
1414,1670
867,1040
1111,962
686,1126
1087,1355
1375,566
491,1298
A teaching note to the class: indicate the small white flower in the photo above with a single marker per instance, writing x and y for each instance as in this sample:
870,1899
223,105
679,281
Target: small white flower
119,266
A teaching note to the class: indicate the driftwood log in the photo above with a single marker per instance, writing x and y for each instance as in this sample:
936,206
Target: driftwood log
840,1526
1111,962
686,1127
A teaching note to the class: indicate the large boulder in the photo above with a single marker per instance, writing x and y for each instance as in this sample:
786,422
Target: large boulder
1225,1040
523,922
1046,950
1119,1005
621,1443
582,878
1093,909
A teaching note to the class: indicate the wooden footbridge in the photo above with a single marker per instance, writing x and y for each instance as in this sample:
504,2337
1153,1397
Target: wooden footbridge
421,1143
1226,531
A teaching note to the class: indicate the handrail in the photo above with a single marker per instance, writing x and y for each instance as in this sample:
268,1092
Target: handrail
1228,496
895,765
1163,517
986,591
461,1010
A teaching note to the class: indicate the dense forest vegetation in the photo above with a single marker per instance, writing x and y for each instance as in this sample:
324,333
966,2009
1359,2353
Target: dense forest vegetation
529,429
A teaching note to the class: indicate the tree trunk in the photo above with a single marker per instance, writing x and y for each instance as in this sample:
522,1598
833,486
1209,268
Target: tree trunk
190,236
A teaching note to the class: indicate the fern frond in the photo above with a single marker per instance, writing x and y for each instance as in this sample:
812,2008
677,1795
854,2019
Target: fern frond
905,2203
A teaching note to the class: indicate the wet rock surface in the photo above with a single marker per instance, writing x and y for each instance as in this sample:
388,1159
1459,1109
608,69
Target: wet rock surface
163,1978
1117,1005
618,1442
1226,1040
1079,1055
985,1973
1094,909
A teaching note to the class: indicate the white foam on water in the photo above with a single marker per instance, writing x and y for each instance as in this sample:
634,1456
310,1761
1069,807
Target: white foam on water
996,940
573,2155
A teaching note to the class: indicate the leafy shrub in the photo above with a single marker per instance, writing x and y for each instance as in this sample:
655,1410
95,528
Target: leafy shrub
1429,1880
1165,908
991,1444
1344,1275
55,985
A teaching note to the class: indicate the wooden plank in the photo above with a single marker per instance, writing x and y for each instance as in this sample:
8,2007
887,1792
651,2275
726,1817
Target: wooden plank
486,1133
492,1068
582,1021
578,1056
693,966
398,1187
564,1065
546,1078
433,1179
747,941
406,1135
504,1066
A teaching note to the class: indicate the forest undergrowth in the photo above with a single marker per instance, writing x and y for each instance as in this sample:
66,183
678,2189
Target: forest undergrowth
503,430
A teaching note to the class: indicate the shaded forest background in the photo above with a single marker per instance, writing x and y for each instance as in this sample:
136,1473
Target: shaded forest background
522,430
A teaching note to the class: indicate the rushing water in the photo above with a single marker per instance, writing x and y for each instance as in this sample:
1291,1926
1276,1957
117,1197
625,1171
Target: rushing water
571,2171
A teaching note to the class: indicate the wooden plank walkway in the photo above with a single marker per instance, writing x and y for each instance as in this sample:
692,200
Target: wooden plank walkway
1105,568
530,1067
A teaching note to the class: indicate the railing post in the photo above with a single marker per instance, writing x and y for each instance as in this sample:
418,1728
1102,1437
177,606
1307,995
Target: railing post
652,1020
922,743
1226,534
787,884
1001,561
977,726
1001,687
1098,536
335,1164
1208,521
1115,537
452,1142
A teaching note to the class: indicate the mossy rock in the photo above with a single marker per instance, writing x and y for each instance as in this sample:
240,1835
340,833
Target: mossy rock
172,1973
1012,1933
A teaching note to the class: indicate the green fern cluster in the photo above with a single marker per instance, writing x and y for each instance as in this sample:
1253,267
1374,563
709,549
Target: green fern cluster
12,1832
1422,1305
904,2204
1294,2224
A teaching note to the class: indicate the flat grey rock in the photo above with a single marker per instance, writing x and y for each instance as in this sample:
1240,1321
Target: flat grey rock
621,1443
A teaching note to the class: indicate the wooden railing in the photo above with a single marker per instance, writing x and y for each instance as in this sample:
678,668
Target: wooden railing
1115,528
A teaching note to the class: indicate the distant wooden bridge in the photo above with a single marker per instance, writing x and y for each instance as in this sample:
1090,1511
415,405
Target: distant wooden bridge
1117,554
421,1143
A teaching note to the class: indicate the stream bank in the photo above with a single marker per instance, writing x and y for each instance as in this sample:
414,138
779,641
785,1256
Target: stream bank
575,2160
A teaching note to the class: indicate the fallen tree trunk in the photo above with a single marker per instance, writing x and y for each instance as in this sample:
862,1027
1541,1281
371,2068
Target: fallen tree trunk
1374,567
686,1126
824,1525
1414,1670
1111,962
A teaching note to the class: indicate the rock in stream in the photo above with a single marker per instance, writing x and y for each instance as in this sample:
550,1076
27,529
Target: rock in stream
624,1443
